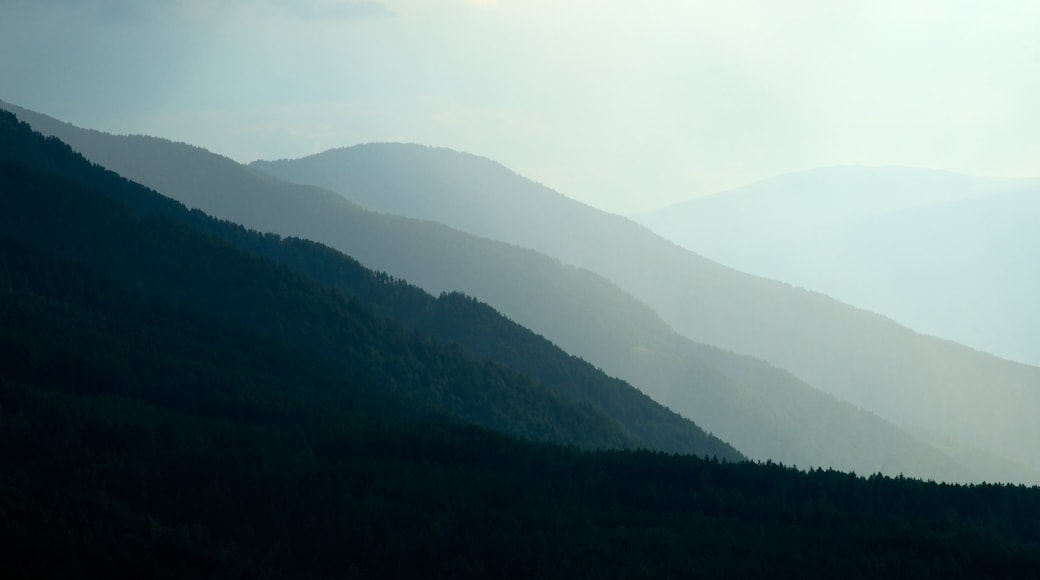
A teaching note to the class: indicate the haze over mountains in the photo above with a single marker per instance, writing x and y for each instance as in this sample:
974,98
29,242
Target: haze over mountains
468,289
940,390
183,397
764,412
946,254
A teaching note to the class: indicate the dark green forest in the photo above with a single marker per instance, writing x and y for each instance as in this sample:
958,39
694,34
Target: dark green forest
181,398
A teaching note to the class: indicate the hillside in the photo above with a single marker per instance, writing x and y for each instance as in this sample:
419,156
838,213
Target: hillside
935,388
942,253
179,446
147,434
762,411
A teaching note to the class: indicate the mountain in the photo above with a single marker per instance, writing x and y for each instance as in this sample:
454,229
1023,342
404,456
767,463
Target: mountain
764,412
131,235
149,429
936,389
942,253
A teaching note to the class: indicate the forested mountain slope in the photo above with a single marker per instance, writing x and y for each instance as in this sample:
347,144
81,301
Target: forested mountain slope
945,254
82,216
144,439
178,446
933,387
762,411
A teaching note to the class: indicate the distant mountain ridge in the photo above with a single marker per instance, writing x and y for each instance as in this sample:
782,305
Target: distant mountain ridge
928,385
764,412
824,196
946,254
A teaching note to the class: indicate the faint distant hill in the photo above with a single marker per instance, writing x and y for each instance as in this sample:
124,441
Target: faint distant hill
929,385
946,254
764,412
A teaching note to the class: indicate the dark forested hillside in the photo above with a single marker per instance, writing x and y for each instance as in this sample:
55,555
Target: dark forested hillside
763,411
143,439
161,425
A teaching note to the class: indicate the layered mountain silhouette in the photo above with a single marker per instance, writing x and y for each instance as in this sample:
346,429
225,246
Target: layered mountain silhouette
182,397
963,398
763,411
946,254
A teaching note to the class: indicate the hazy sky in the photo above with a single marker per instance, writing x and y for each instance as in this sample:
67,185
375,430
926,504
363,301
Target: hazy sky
624,105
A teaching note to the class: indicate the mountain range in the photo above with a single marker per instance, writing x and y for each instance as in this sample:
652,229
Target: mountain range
945,254
763,411
183,397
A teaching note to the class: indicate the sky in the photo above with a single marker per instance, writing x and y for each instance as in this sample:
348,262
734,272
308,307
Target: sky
627,106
